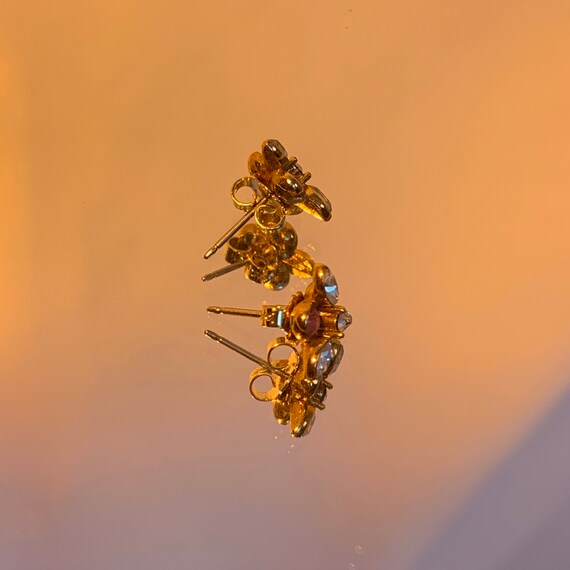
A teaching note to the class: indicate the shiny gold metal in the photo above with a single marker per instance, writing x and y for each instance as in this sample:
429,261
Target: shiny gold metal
312,321
314,325
280,371
308,389
268,254
259,199
236,348
224,270
233,230
298,383
313,314
275,177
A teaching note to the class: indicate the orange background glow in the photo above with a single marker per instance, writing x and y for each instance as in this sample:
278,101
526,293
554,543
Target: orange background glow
440,131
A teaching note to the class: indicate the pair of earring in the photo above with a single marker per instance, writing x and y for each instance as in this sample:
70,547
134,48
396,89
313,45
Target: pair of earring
313,323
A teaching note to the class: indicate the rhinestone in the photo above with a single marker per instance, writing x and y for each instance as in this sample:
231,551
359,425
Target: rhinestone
330,286
313,322
325,358
343,321
329,358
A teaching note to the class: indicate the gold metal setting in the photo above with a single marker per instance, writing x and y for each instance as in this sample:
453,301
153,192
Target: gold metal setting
269,256
309,315
278,185
313,323
298,384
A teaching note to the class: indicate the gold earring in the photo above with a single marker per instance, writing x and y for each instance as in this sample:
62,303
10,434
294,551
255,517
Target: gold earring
314,325
277,179
268,253
298,384
312,314
312,321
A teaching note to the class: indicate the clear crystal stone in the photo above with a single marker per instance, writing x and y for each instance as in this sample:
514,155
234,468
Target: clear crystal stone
326,356
330,286
343,321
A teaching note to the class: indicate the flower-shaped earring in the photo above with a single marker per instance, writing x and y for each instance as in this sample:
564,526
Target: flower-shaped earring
312,314
268,254
314,325
312,321
279,181
298,384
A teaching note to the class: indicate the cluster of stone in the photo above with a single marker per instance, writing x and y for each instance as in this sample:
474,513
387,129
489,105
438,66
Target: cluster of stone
313,322
315,325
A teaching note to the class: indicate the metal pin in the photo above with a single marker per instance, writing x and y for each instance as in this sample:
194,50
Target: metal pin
232,311
291,162
250,356
227,269
235,228
270,315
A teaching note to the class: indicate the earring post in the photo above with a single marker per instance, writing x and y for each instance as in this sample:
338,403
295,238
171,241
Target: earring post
232,311
235,228
249,355
227,269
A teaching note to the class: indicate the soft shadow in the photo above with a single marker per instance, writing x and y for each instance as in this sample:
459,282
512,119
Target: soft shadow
519,519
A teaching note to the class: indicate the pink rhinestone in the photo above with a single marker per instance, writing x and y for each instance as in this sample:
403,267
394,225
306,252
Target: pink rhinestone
313,322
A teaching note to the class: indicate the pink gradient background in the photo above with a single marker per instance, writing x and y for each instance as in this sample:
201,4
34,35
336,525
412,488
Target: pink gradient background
441,133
